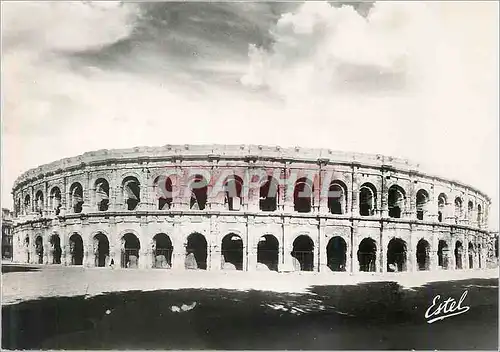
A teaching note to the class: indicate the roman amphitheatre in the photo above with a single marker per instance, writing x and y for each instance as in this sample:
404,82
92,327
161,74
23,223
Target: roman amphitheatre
248,208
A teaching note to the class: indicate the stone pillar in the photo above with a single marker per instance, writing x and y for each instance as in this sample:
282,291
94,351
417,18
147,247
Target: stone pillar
383,194
382,253
87,192
354,247
411,202
321,250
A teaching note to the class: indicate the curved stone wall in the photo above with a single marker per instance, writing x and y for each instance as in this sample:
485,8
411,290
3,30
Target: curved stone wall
224,207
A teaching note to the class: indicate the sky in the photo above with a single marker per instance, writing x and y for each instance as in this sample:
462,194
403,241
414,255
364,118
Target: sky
417,80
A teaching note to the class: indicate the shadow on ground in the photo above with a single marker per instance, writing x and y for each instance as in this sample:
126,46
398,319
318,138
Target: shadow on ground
12,268
380,315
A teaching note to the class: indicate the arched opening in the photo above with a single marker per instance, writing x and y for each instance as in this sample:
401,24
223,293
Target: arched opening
27,204
130,251
443,254
337,198
164,192
396,255
199,187
302,195
102,194
76,197
55,244
162,251
470,209
458,208
27,248
396,201
480,254
458,255
303,252
39,202
472,252
442,200
76,249
367,255
232,187
496,247
101,250
422,200
423,255
196,252
232,252
39,249
479,215
268,252
367,199
131,192
55,200
336,253
268,200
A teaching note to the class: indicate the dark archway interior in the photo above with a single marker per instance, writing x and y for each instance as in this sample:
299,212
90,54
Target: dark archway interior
199,193
268,252
27,245
163,251
77,198
269,195
233,187
165,199
132,193
130,251
443,253
458,255
366,201
55,242
197,246
303,251
102,250
396,255
367,255
496,247
302,196
76,249
395,200
335,199
232,250
39,249
471,255
422,198
336,254
423,257
102,194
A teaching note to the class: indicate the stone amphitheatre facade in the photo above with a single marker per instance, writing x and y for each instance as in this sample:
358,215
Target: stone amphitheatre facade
219,207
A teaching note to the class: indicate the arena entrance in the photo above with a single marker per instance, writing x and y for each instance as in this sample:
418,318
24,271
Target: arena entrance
303,252
268,252
39,249
396,255
76,249
458,255
130,251
232,252
55,252
196,252
162,251
336,254
367,255
443,252
101,250
471,255
423,256
27,248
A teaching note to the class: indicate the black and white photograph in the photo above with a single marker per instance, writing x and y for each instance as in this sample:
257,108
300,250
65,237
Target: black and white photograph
251,175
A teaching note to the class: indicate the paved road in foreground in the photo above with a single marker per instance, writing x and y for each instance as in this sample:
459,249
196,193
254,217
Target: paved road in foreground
374,315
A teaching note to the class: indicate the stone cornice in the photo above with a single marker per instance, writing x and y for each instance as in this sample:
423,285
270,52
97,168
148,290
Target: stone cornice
171,153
